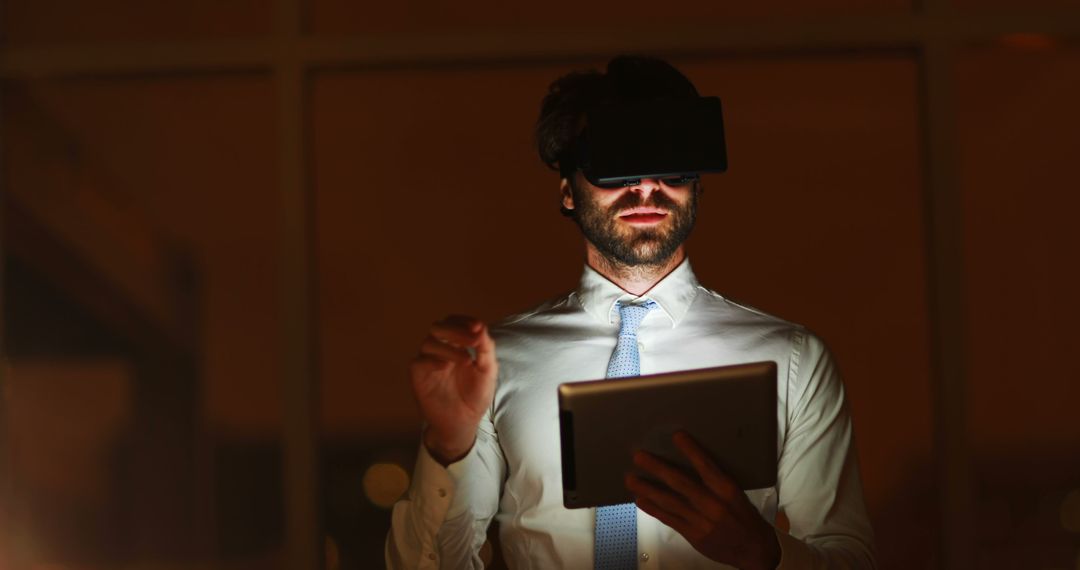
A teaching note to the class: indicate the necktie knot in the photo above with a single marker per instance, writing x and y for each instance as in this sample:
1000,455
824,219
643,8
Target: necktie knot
630,316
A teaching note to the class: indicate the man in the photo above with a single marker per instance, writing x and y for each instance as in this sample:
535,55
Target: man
491,439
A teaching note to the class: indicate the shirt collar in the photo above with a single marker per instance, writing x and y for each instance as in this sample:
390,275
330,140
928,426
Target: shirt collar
673,294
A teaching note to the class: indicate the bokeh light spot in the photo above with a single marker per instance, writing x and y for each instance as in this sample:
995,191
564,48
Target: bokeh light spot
385,483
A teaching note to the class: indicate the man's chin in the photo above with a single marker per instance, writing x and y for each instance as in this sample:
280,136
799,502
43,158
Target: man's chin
643,235
652,253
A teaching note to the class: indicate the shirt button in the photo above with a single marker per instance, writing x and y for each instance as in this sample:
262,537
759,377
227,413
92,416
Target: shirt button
644,556
442,492
431,556
641,346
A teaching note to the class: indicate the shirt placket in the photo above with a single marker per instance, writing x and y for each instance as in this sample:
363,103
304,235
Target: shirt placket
648,542
648,556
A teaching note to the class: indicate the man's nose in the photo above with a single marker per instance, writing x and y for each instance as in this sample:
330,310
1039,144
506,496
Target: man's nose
645,187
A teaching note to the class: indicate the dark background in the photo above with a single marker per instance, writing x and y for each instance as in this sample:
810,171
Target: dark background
227,225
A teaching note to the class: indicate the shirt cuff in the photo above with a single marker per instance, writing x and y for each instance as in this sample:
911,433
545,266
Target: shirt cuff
432,489
435,486
794,553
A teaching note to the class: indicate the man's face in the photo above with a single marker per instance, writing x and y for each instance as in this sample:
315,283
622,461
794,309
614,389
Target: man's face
641,225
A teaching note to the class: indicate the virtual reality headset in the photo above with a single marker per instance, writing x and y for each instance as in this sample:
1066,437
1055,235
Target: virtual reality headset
676,140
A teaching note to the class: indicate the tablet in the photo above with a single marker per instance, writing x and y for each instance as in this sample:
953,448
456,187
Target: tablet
730,410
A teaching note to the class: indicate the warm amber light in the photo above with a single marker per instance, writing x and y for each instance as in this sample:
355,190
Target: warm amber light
385,483
1031,42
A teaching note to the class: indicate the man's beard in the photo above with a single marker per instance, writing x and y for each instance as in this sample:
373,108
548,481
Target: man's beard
623,245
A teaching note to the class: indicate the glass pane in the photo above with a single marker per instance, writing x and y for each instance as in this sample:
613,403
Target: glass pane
430,199
37,22
1019,127
142,403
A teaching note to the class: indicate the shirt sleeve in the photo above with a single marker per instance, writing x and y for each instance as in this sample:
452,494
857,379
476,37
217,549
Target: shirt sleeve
818,476
442,521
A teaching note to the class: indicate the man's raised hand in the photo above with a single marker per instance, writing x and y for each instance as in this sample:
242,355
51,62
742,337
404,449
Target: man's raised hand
453,379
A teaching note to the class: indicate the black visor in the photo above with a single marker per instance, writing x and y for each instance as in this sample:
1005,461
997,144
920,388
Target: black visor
668,139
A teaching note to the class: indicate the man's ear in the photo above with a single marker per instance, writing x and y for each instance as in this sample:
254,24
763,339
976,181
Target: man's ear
567,194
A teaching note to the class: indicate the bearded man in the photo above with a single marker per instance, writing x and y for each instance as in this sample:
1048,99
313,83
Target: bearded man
490,446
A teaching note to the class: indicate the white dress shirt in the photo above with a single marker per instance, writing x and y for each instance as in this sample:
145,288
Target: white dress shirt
512,473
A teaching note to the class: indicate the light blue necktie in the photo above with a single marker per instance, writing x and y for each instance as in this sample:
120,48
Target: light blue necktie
616,525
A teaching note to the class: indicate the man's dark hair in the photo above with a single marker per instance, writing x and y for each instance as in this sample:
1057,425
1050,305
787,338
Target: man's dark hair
628,79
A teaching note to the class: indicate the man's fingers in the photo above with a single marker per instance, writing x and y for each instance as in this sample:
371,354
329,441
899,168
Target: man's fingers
434,347
718,482
485,350
423,365
674,478
454,334
663,499
464,332
659,513
464,321
466,325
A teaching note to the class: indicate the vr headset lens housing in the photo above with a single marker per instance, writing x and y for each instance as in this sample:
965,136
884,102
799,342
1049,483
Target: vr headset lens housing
674,181
672,140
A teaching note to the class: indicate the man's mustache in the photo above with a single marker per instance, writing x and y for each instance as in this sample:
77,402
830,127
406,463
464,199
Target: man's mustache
633,200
